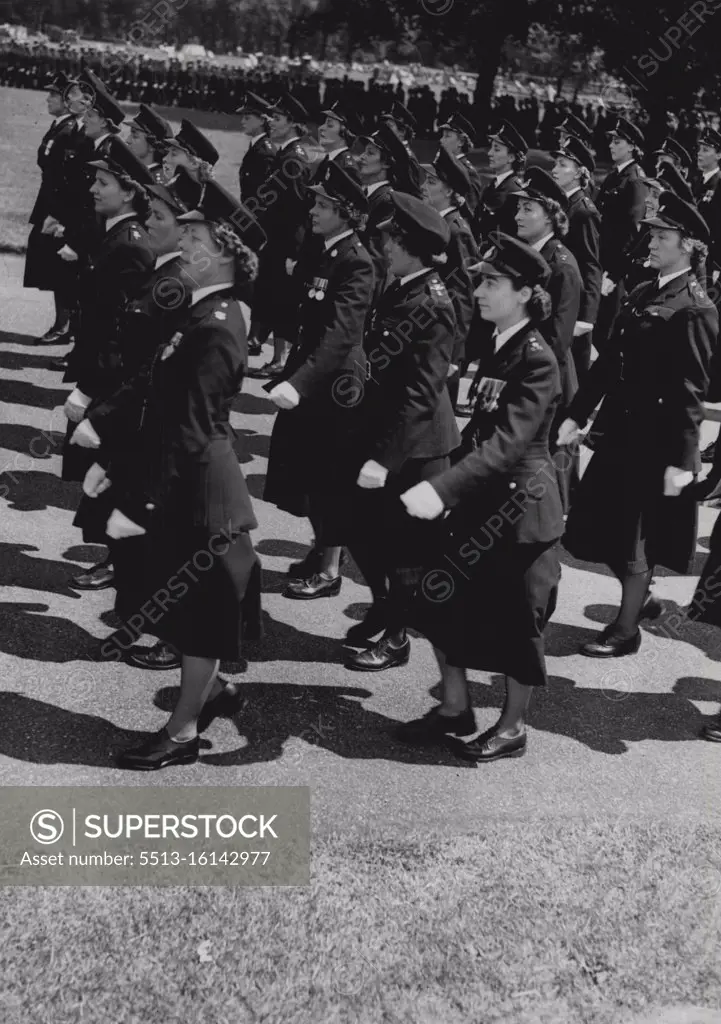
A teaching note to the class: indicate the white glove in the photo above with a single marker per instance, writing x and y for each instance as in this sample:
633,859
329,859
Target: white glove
290,266
67,254
76,405
86,435
96,481
607,285
452,368
119,526
715,275
49,226
372,475
568,432
674,481
581,327
284,395
423,501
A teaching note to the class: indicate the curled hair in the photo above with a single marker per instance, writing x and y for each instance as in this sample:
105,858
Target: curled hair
518,162
204,170
584,176
697,251
558,218
538,306
246,262
141,198
637,153
355,218
422,254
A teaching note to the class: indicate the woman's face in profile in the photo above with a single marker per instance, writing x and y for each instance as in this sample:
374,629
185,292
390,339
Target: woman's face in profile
496,297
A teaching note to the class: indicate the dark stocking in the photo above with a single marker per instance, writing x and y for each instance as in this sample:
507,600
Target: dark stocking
633,595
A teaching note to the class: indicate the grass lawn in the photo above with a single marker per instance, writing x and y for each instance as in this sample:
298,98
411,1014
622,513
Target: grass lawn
532,923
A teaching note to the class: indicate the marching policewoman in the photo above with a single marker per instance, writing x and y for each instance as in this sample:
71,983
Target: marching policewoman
196,580
485,601
630,512
119,266
309,469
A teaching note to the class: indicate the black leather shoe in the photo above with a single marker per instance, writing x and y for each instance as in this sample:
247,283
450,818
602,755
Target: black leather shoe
489,746
373,624
712,730
380,656
709,452
318,585
55,336
160,657
436,728
225,705
159,752
99,578
268,370
610,646
254,348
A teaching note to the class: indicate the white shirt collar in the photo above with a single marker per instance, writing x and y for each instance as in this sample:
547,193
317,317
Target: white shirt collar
336,152
502,337
293,138
97,142
707,175
330,242
112,221
625,164
502,177
200,293
663,281
370,189
448,209
160,261
255,138
573,191
416,273
541,242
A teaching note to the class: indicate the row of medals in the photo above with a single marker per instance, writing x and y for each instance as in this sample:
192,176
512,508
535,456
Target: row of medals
318,290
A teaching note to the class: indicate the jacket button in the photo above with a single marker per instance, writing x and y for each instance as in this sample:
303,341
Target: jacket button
512,486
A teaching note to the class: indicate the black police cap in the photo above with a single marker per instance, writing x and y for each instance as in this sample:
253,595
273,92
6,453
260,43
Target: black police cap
576,128
573,149
59,83
108,108
670,147
150,123
710,137
218,206
120,160
332,182
186,189
166,194
457,123
628,131
292,108
194,142
675,213
452,172
254,104
672,179
510,257
510,137
540,186
423,226
401,115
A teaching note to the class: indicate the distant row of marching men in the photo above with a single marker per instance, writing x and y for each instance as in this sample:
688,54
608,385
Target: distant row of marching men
367,267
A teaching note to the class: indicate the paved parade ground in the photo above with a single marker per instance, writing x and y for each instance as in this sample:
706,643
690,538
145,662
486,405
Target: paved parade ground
581,883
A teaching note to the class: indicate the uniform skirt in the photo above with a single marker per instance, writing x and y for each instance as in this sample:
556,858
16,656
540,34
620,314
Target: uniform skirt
43,267
619,515
196,590
488,609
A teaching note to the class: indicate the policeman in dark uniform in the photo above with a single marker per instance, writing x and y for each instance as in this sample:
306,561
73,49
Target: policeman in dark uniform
310,469
257,163
57,150
630,511
573,171
446,182
458,137
408,425
506,160
281,208
148,134
621,203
